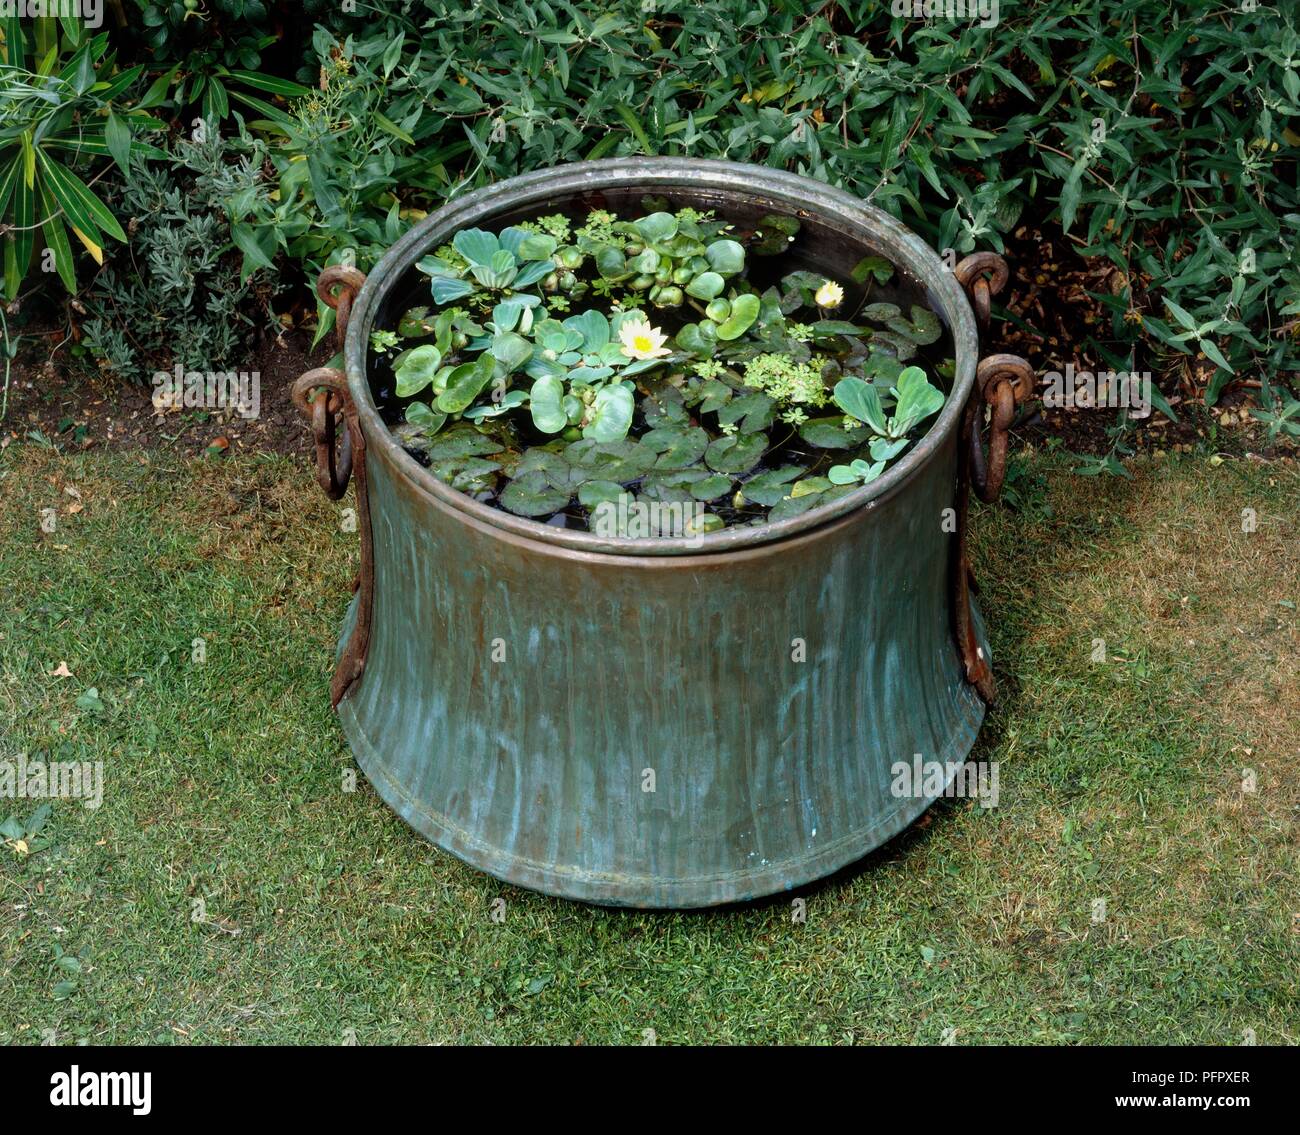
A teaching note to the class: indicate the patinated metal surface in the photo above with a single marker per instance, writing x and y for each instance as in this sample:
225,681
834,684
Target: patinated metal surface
516,695
660,722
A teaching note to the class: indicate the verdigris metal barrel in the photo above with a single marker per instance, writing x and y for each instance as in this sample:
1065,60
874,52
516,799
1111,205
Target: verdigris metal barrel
656,722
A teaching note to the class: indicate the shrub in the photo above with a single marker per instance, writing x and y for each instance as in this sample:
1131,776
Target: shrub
179,295
1157,139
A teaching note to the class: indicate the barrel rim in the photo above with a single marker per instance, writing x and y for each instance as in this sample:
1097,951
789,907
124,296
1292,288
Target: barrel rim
878,231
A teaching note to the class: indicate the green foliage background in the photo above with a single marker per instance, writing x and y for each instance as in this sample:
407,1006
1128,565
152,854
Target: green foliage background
1160,137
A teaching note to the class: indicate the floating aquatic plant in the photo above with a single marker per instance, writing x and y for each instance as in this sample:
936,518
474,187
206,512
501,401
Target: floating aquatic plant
584,371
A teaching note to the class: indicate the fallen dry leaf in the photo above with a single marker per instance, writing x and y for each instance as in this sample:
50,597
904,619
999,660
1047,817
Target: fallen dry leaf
61,672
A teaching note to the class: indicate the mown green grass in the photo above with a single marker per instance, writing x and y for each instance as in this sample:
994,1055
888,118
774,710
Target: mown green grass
323,913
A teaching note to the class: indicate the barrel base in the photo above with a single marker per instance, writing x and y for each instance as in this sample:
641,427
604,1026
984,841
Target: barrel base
571,881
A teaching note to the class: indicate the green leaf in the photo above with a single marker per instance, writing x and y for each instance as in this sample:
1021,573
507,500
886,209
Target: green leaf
638,131
744,310
464,384
706,286
736,454
536,246
245,239
656,228
447,289
611,414
57,235
725,257
544,404
157,91
477,246
388,126
118,136
90,204
860,400
510,350
916,400
271,84
594,328
416,370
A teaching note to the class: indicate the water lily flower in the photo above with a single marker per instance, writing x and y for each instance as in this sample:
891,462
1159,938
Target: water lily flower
830,294
641,341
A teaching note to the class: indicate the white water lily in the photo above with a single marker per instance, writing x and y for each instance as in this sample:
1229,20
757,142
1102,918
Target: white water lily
830,294
641,341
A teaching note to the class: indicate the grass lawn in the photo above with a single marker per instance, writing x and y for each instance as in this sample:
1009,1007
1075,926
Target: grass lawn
230,891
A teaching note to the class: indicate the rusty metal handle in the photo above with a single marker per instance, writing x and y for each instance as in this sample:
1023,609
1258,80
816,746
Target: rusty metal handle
1002,382
322,396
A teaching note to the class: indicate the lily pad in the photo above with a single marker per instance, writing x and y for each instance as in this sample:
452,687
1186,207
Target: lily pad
749,412
461,441
872,267
620,461
533,495
771,485
829,433
924,327
594,493
710,487
736,454
664,406
677,447
468,474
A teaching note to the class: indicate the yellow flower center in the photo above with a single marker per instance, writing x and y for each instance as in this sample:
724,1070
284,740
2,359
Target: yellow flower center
642,343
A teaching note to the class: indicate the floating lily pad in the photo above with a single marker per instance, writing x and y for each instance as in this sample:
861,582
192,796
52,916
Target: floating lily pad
594,493
736,454
710,487
715,395
461,441
468,474
664,406
924,327
621,461
677,447
895,344
771,485
790,506
533,495
749,412
872,267
829,433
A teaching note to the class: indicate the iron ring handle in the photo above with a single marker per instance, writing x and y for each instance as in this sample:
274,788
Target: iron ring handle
322,396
